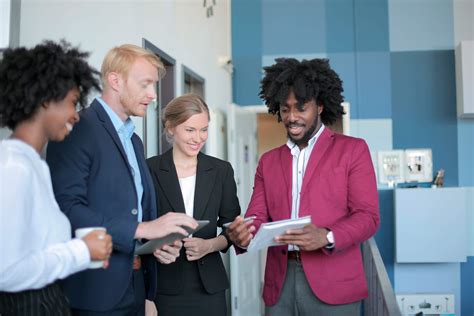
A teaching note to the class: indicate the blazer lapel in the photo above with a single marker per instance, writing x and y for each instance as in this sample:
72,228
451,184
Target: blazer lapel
319,149
168,180
205,179
109,127
287,171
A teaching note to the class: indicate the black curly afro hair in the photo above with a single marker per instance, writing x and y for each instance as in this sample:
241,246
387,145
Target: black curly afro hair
45,73
309,79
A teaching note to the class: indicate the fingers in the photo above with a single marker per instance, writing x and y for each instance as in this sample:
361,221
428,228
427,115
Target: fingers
240,232
164,256
177,244
173,251
182,219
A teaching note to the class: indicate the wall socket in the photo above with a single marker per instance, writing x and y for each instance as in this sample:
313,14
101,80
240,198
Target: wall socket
432,304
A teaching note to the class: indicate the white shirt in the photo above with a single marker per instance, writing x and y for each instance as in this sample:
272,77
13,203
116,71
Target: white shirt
188,185
300,161
35,235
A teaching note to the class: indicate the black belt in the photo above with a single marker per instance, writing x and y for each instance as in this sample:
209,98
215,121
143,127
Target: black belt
294,255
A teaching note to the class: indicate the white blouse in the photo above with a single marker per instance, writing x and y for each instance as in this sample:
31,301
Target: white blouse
35,236
188,185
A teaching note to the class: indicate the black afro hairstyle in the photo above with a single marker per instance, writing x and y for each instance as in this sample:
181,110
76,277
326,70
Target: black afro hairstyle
45,73
309,79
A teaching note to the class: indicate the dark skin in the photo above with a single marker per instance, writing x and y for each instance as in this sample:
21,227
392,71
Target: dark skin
301,122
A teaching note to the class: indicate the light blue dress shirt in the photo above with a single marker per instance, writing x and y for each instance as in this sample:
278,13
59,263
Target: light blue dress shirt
125,131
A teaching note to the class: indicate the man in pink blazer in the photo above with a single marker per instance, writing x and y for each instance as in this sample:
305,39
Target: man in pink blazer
318,270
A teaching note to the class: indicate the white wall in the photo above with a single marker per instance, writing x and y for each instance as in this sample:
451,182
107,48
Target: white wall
463,11
4,23
178,27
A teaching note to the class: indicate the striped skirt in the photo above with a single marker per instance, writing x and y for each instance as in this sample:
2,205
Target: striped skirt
49,300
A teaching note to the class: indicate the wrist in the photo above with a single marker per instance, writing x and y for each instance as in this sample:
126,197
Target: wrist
141,231
329,239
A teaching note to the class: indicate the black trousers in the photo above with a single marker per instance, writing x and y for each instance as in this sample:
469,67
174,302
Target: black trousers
194,300
49,300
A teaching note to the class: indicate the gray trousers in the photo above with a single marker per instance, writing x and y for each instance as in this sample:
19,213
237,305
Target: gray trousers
297,298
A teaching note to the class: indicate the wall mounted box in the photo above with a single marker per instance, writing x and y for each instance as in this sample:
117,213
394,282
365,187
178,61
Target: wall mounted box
430,225
465,79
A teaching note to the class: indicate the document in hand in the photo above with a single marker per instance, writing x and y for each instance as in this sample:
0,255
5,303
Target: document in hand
265,236
151,245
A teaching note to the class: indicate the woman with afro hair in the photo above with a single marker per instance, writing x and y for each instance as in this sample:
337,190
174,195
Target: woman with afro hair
39,90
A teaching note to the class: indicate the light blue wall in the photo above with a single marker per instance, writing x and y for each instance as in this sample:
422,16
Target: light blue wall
466,151
429,278
421,25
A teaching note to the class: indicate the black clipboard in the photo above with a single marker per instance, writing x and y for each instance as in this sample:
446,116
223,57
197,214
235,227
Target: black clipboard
151,245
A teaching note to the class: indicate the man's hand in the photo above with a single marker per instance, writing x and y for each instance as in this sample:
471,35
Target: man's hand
168,253
240,232
308,238
165,225
196,248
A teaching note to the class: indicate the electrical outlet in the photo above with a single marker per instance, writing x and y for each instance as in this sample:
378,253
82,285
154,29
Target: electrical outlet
438,304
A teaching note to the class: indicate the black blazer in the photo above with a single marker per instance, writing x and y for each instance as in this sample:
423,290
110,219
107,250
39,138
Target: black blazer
215,199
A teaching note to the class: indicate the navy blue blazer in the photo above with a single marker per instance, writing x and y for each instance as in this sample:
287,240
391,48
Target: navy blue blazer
93,184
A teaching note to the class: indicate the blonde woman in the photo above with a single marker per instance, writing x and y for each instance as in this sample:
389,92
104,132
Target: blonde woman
203,187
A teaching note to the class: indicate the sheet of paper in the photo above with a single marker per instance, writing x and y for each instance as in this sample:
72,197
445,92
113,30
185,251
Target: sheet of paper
265,236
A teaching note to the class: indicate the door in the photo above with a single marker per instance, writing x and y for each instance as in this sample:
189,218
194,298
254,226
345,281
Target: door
245,270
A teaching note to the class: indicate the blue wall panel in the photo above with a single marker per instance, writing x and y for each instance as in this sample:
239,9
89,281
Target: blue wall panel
466,152
344,65
246,51
424,107
385,236
373,85
340,26
467,287
293,26
371,25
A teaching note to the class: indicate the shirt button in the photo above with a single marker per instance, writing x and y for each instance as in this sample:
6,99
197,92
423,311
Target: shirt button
134,211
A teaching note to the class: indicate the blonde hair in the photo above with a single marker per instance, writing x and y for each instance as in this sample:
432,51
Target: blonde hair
180,109
119,59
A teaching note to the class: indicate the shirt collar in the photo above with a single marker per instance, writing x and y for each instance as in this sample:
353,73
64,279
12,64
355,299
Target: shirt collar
126,128
295,149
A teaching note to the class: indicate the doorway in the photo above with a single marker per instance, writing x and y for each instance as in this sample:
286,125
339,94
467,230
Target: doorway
154,138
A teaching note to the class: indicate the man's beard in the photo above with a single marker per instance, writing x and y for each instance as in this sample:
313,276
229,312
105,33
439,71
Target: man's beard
307,136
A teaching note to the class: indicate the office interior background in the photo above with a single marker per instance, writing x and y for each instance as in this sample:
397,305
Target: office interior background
400,61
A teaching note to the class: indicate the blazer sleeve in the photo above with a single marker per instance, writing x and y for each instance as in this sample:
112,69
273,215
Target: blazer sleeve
258,204
71,163
362,202
229,206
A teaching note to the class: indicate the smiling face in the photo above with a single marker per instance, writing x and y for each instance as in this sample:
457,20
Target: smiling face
189,137
61,116
138,88
301,120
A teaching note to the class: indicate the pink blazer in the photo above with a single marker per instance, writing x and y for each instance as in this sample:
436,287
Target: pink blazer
339,191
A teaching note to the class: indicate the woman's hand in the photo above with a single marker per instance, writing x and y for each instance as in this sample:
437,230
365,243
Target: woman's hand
168,253
196,248
99,244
